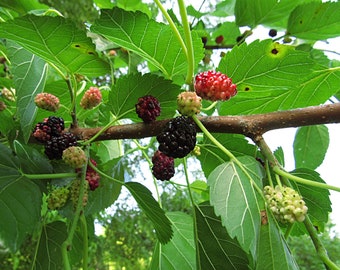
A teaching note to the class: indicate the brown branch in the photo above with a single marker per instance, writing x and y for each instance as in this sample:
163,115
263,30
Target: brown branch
251,126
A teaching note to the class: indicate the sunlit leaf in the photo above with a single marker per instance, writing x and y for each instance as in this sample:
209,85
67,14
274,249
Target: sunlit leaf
270,12
315,21
271,76
153,41
152,210
234,199
29,78
216,249
211,156
57,41
307,153
179,253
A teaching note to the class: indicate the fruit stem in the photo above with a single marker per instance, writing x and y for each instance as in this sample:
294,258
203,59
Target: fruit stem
270,180
188,41
172,26
320,249
212,105
66,246
304,181
49,175
85,241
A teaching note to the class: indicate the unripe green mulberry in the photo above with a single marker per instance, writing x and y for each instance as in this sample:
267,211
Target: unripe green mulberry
75,191
286,204
189,103
74,156
57,197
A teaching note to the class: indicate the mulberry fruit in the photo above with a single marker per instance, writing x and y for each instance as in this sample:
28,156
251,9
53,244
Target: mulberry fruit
56,145
74,156
92,97
2,106
285,203
148,108
189,103
92,177
178,138
163,166
51,127
75,192
214,86
47,101
57,197
8,94
219,39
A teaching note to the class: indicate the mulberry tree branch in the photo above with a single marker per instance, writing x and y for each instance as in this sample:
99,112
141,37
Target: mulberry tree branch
252,126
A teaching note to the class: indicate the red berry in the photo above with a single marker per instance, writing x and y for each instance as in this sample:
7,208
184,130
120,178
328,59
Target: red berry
148,108
219,39
92,176
163,166
91,98
212,85
47,102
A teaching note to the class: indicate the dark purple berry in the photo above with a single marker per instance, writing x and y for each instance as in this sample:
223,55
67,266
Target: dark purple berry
148,108
51,127
56,145
178,138
163,166
272,32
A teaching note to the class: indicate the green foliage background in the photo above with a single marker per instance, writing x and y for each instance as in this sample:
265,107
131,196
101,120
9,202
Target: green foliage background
213,220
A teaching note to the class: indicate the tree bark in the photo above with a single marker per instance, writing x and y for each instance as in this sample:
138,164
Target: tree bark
251,126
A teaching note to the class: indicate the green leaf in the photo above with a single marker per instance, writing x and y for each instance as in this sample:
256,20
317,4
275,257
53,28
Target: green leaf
315,21
128,89
310,146
234,199
151,208
216,249
179,253
270,12
211,156
29,78
153,41
273,252
20,202
229,31
57,41
22,6
317,199
31,160
49,251
271,76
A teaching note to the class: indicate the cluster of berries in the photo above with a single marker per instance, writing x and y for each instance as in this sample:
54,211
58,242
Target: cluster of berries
7,95
91,98
178,137
51,133
285,203
58,196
